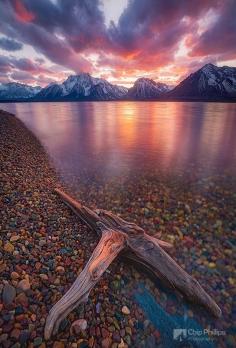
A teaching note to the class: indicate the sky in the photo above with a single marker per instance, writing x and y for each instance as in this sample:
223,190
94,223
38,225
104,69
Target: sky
45,41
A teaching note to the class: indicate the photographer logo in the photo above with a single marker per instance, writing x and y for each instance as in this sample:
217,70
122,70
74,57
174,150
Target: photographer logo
179,334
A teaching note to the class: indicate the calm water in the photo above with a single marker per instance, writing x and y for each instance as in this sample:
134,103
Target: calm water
114,138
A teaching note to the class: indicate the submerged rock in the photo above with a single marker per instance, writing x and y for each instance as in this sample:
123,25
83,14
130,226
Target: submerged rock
125,310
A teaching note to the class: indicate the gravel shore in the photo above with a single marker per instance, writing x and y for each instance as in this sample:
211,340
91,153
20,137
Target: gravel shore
43,246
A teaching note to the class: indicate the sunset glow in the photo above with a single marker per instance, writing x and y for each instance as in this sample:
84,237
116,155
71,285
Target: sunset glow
119,40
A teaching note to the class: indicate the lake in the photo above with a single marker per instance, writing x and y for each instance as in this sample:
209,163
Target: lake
116,138
169,167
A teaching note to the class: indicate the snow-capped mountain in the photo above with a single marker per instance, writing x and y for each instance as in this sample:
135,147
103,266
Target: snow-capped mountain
13,90
145,88
82,87
209,82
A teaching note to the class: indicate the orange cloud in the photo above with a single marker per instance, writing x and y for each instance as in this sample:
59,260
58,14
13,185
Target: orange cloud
22,13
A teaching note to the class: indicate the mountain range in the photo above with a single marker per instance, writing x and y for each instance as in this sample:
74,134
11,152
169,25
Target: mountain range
208,83
145,88
14,90
82,87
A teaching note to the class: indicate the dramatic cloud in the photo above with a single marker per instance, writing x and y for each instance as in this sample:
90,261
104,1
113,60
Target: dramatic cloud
9,44
29,71
149,32
5,65
220,38
21,11
163,39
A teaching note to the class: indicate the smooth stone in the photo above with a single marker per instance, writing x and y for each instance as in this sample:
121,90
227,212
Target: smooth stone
43,276
157,334
19,310
125,310
122,332
3,337
64,324
150,342
24,337
105,332
60,270
79,325
146,323
22,299
9,248
14,238
116,337
15,334
122,344
128,330
57,281
106,342
127,339
9,294
15,276
33,317
38,341
42,242
58,344
231,341
24,284
111,328
17,345
83,344
98,307
7,317
212,265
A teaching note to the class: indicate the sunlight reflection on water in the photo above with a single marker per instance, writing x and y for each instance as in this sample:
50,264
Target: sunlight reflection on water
119,137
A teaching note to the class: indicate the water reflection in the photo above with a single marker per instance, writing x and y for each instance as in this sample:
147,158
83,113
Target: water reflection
120,137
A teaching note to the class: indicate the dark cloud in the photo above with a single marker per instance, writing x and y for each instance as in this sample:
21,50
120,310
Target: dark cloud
24,64
10,44
9,63
26,77
149,32
152,22
29,71
52,29
25,69
40,60
21,76
220,38
146,37
80,23
5,65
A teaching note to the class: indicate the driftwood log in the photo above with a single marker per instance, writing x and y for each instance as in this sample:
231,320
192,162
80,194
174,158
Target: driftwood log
132,242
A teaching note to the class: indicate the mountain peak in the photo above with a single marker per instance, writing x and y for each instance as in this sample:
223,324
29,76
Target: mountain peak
81,76
144,79
209,65
208,83
83,87
209,68
146,88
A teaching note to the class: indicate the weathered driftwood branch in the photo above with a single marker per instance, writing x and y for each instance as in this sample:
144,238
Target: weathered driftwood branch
111,243
145,250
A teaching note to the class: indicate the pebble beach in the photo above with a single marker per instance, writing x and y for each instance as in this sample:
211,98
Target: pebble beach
43,247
